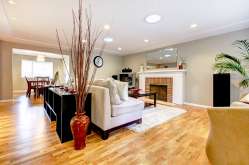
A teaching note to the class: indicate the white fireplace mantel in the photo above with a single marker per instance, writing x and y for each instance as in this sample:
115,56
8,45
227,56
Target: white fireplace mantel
178,81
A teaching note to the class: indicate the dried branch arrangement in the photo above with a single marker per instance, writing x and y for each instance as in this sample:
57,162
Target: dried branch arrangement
81,49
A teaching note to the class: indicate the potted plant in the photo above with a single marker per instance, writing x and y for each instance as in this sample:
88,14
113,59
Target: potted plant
225,63
81,48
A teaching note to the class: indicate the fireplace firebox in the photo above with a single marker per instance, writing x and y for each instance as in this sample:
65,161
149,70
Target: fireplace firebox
160,90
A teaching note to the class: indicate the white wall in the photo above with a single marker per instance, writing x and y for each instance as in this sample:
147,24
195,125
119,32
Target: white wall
199,56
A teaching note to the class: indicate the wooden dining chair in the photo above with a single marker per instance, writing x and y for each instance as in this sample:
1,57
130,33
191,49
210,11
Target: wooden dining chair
30,85
41,82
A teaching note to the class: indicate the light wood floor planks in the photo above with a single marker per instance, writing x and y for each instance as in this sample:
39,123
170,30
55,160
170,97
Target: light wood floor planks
27,137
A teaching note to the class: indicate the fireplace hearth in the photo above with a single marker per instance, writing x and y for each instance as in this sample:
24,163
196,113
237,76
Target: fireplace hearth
161,91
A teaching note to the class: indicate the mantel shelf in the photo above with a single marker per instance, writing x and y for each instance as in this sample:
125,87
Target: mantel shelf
162,71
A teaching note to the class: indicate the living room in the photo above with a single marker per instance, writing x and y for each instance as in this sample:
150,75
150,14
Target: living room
162,91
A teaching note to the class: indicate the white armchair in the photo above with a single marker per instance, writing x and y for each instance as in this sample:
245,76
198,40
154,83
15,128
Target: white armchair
106,117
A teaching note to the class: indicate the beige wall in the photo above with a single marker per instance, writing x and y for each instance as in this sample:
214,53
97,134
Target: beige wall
199,56
6,86
112,65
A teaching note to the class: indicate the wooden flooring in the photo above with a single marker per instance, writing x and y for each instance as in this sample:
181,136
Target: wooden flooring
27,137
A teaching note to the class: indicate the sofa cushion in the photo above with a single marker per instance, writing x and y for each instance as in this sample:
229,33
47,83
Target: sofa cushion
122,89
245,99
239,104
131,105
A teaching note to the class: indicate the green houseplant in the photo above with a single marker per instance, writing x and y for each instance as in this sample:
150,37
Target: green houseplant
225,63
81,48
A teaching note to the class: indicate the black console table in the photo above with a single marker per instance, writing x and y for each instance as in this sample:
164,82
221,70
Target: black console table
60,106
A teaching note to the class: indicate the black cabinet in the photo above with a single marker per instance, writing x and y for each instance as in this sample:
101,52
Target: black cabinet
60,106
221,90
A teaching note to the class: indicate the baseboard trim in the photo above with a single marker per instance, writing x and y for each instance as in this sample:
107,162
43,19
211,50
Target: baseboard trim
19,91
197,105
8,101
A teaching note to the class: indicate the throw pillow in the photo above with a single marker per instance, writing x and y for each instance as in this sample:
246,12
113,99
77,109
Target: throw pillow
113,91
122,90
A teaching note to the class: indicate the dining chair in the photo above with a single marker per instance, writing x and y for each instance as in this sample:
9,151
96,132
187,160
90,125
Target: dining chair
30,85
41,82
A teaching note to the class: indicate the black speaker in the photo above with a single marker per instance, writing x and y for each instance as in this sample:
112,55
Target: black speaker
221,90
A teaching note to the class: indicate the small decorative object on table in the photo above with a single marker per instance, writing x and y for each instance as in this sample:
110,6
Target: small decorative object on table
126,70
180,63
55,79
180,66
83,70
134,91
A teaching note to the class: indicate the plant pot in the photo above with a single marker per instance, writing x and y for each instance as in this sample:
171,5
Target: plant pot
79,125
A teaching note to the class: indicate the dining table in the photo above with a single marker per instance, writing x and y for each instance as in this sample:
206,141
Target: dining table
37,84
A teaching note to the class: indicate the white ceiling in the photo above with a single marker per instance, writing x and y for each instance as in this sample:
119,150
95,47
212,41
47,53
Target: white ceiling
36,21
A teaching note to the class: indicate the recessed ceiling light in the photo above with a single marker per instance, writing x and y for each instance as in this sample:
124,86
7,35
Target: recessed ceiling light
146,41
167,55
11,2
108,39
153,18
193,26
107,27
119,48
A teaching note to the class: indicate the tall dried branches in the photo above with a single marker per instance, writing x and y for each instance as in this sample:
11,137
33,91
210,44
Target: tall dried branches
81,51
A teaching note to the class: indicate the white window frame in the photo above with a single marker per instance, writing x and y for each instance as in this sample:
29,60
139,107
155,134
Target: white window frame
32,66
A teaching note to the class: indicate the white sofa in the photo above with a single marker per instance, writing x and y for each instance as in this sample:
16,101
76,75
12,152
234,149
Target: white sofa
106,117
239,104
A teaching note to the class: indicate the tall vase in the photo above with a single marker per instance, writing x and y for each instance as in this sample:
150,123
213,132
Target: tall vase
79,124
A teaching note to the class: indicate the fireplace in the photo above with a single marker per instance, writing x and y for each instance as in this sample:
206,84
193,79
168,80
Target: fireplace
173,78
162,86
161,91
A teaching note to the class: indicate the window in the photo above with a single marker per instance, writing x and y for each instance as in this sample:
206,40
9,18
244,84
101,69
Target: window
27,68
34,69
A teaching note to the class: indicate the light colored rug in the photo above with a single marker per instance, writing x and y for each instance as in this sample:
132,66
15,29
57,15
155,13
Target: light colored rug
154,116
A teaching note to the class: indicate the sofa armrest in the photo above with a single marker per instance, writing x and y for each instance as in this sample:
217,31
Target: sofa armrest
101,107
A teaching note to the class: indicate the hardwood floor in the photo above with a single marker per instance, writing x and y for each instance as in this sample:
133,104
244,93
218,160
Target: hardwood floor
27,137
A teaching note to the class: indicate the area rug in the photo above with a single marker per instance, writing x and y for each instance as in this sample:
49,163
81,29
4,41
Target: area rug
155,116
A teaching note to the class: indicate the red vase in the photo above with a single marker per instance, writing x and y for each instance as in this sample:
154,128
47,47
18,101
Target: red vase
79,125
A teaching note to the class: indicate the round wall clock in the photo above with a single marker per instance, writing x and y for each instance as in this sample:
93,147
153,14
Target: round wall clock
98,61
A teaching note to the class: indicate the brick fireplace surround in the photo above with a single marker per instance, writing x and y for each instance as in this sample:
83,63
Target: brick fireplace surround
161,81
177,78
